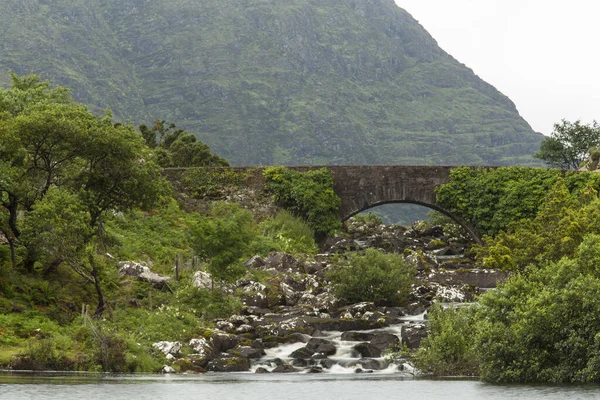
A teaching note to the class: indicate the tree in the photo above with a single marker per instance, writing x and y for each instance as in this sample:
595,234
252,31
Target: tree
51,145
178,148
569,144
223,239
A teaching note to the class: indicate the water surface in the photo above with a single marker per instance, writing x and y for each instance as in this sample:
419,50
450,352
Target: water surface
249,386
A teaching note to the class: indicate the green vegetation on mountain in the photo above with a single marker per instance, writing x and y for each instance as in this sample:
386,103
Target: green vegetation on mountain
263,83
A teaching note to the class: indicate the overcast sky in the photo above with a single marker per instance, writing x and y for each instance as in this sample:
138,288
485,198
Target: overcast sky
543,54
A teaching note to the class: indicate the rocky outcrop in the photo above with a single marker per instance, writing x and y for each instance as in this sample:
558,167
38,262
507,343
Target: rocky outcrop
294,307
142,272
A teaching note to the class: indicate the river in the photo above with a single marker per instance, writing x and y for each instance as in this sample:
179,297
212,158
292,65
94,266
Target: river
249,386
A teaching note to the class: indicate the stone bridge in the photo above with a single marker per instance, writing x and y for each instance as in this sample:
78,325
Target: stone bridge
361,187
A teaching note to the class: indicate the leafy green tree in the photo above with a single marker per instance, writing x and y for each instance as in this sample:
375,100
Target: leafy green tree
223,239
177,148
569,144
58,230
48,140
374,276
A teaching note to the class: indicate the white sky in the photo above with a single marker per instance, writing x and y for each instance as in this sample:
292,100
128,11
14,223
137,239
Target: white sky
542,54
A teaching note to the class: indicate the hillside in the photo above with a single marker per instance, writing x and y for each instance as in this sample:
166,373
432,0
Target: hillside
264,82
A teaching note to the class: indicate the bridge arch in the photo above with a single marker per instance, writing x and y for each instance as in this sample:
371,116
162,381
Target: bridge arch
456,218
362,187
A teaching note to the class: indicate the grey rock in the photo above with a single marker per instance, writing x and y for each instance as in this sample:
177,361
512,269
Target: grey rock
255,262
324,346
229,364
369,363
302,353
384,340
290,295
168,370
367,350
353,336
142,272
412,335
168,348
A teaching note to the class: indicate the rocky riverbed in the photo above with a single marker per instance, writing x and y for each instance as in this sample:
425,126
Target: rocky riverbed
296,324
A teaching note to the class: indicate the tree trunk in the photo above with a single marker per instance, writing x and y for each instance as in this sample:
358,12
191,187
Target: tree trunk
101,304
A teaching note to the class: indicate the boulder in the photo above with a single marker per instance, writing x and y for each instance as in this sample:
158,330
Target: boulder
327,363
324,346
412,335
312,267
261,370
229,364
142,272
369,363
222,341
284,369
302,353
255,262
202,280
248,352
367,350
290,295
168,348
168,370
203,352
352,336
283,262
384,340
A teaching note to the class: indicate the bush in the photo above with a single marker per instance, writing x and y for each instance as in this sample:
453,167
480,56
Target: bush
375,276
309,195
210,304
224,238
289,234
447,350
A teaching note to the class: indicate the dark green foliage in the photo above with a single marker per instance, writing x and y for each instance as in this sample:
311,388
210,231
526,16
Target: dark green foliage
448,348
307,194
286,83
210,304
178,148
375,276
541,325
556,231
285,232
157,237
223,238
492,198
569,144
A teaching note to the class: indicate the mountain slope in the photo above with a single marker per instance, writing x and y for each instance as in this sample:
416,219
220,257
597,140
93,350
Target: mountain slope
272,82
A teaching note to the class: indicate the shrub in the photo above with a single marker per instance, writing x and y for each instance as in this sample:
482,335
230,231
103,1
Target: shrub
447,350
375,276
289,233
307,194
223,238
